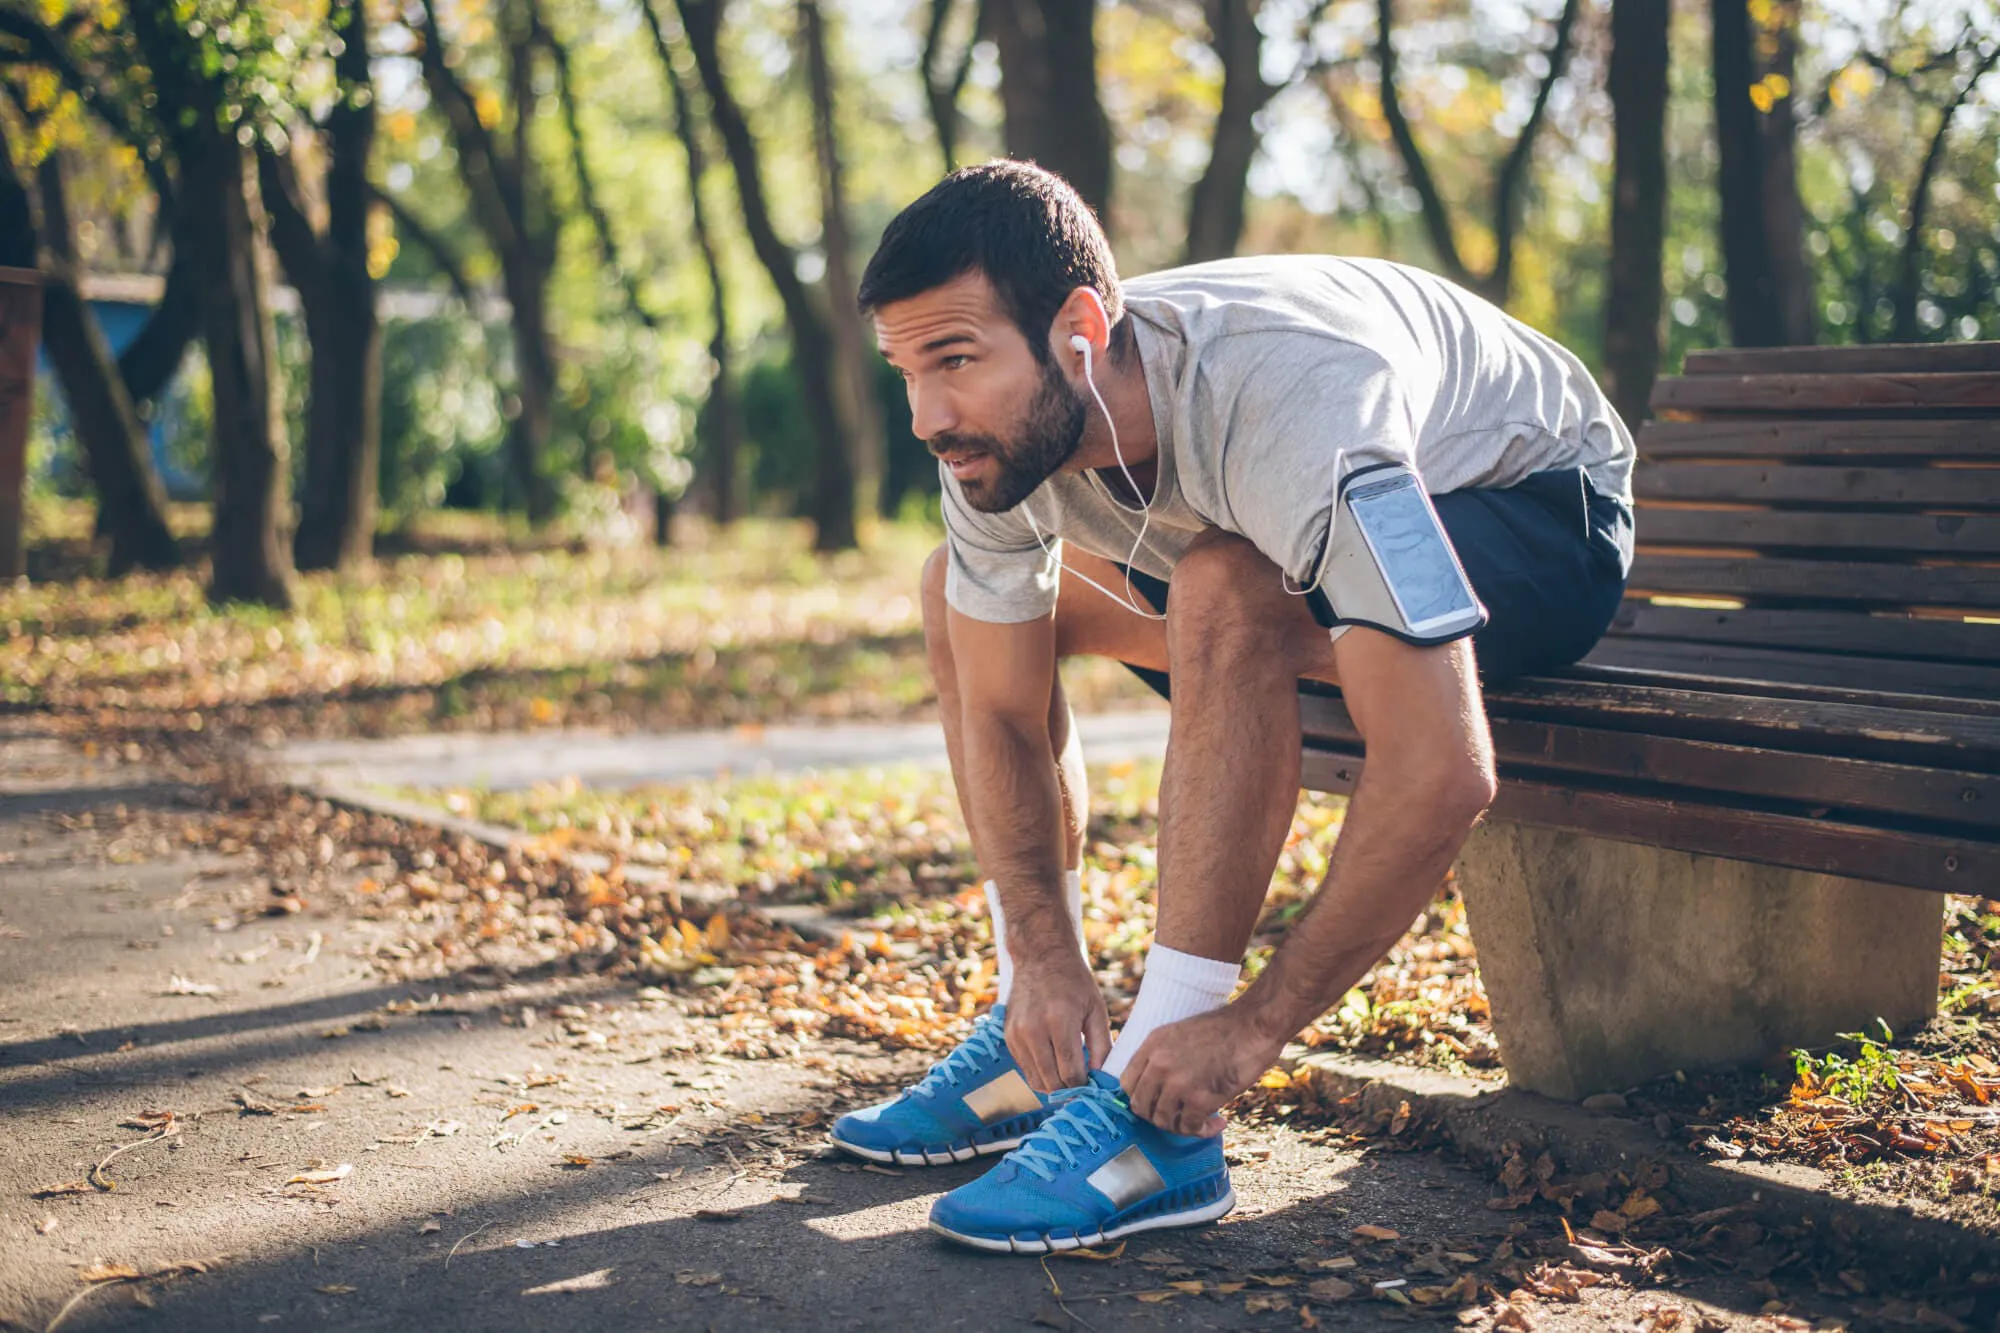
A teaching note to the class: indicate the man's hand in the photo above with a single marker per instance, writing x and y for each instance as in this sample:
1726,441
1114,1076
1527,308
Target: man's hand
1054,1011
1187,1071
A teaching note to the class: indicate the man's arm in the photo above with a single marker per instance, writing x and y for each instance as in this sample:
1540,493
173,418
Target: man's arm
1428,778
1006,678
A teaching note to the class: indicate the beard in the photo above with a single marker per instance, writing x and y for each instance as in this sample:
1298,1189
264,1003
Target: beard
1048,437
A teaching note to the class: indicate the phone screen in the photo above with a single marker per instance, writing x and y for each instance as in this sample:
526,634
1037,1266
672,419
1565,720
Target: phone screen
1413,553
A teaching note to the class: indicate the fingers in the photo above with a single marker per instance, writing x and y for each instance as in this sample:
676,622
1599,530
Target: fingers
1097,1034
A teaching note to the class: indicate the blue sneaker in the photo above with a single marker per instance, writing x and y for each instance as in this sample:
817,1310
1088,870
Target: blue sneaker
973,1102
1093,1172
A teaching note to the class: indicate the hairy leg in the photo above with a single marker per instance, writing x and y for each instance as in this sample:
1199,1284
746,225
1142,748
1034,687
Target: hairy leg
1236,645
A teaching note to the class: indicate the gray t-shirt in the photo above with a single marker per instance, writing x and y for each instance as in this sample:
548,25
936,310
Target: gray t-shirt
1271,378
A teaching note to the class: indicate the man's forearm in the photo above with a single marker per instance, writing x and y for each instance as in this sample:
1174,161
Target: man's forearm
1018,810
1394,849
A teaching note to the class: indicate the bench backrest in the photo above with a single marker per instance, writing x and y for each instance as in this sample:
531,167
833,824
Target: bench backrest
1821,516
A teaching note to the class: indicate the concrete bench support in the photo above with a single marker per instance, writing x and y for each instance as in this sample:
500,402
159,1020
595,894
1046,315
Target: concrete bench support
1608,963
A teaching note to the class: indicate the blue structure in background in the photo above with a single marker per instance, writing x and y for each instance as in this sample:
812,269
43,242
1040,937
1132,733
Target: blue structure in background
121,321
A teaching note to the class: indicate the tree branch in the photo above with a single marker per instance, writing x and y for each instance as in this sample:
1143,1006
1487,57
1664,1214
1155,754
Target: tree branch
1920,198
1507,190
586,187
485,171
293,235
45,47
1437,218
440,253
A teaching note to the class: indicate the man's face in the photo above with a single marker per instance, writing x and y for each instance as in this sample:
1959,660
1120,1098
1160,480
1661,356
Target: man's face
1001,420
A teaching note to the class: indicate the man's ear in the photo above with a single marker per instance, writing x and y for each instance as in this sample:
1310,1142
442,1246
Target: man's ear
1082,314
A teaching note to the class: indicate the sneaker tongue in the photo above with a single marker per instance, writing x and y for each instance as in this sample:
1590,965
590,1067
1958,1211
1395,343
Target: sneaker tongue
1108,1082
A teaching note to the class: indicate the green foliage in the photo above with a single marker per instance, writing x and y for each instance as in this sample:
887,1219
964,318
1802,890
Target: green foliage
1853,1079
440,412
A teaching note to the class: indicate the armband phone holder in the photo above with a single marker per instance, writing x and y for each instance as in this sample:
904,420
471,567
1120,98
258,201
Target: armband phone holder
1392,564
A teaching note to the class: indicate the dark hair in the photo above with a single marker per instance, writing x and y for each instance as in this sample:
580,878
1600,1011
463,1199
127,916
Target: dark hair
1024,228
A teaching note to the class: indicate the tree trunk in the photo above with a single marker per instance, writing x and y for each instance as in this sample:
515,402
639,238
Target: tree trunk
131,503
330,271
721,416
251,561
830,501
1215,209
855,357
1637,82
152,359
1048,92
1748,181
517,227
1784,214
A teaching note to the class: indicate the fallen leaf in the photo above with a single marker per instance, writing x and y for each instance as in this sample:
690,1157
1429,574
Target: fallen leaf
689,1277
1261,1304
1099,1255
718,1214
180,985
336,1289
430,1228
66,1187
592,1281
1330,1289
1154,1297
1192,1288
102,1272
330,1176
1377,1233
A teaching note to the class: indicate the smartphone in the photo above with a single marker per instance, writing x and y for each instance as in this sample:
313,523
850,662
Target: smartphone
1415,556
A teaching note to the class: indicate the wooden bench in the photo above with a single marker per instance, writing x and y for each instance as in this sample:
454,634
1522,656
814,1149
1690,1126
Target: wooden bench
1798,703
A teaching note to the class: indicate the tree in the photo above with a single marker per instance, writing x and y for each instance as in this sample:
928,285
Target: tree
1981,57
328,266
722,414
1637,82
520,228
863,415
207,82
132,505
1497,283
830,502
1215,207
944,79
1048,91
1763,236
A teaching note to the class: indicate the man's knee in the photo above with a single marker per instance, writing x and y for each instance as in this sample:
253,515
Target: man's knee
1228,600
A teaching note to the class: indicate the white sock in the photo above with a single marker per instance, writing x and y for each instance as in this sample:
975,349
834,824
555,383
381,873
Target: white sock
1072,899
1176,985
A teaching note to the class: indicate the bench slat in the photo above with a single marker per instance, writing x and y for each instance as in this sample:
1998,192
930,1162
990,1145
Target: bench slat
1813,631
1879,358
1893,675
1822,395
1919,534
1928,733
1757,482
1932,795
1974,588
1808,439
1917,860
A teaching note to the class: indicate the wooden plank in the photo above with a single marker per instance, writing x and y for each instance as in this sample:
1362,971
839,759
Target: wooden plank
1966,535
1750,437
1823,395
1761,482
1808,781
1869,358
1971,587
20,335
1730,661
1939,863
1814,631
1759,693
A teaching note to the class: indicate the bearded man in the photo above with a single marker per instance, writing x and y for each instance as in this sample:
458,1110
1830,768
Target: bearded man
1342,470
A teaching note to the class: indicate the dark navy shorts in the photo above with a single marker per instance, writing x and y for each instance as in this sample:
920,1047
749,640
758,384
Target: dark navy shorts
1548,557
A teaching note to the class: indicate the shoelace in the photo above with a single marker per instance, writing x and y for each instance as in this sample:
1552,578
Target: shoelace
1082,1116
988,1038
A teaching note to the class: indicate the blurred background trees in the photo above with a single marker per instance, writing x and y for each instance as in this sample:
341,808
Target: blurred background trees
326,265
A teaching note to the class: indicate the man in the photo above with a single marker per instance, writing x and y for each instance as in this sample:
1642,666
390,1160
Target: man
1256,438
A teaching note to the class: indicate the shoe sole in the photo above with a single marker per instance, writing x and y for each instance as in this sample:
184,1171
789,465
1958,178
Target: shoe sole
925,1157
1208,1212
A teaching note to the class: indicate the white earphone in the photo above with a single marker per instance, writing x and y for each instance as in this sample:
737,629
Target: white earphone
1130,601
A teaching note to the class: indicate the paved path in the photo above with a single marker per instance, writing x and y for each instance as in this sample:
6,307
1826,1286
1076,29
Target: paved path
510,761
560,1151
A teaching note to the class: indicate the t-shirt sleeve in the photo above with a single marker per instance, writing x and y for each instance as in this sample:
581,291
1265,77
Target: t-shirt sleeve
996,570
1290,417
